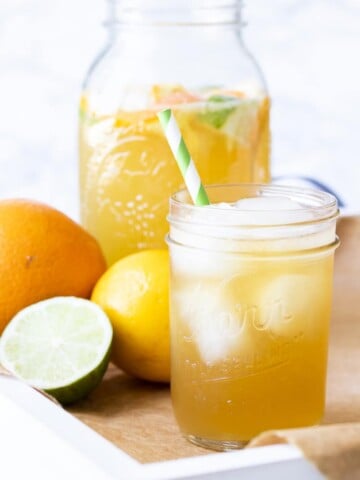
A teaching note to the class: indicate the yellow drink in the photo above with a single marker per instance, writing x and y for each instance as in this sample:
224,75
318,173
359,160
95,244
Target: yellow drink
127,171
250,312
272,370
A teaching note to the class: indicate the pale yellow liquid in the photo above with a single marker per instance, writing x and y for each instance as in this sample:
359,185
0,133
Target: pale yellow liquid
127,171
249,344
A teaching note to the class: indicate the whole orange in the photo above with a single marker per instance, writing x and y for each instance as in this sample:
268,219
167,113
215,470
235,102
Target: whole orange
43,253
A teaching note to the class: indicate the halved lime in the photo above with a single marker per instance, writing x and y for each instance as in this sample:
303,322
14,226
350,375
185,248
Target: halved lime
61,345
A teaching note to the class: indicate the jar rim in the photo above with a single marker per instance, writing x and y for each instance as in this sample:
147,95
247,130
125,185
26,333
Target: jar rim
266,254
322,206
179,12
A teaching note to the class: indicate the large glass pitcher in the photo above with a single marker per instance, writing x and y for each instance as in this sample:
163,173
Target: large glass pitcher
186,54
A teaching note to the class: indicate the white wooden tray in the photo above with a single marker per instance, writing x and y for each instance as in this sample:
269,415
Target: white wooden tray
38,439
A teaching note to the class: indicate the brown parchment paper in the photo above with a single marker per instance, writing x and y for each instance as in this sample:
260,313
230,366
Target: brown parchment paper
4,372
334,449
137,416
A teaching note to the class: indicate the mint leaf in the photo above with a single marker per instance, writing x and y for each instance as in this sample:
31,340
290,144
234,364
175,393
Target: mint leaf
217,110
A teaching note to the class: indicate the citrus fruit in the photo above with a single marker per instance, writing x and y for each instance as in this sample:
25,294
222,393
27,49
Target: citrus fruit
217,110
243,122
134,293
172,95
43,254
61,345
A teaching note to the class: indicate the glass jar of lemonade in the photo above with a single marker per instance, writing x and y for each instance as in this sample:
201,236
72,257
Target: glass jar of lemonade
184,54
251,288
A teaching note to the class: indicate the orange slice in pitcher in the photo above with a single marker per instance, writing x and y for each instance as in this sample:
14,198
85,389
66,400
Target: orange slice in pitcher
162,95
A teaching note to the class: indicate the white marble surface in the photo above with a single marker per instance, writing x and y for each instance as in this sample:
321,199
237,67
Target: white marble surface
309,50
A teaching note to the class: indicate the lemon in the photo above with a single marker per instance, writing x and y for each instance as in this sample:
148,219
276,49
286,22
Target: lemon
134,293
61,345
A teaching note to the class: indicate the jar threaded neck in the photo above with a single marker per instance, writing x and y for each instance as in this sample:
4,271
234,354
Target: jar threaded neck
176,12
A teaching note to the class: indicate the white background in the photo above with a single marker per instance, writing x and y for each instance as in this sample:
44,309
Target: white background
308,49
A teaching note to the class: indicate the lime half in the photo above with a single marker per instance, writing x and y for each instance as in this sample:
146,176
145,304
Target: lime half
61,345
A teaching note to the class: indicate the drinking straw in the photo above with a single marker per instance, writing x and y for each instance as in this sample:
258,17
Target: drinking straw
183,158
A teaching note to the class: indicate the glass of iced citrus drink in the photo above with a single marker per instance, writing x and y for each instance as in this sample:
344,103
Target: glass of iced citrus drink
251,287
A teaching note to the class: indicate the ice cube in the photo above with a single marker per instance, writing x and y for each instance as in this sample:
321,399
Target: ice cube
205,264
213,323
288,306
272,211
267,203
220,205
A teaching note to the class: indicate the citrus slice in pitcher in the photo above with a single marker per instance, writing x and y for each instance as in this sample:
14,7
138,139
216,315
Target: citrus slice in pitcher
166,95
61,345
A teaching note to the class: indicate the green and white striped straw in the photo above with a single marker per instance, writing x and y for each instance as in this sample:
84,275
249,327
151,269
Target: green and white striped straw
183,158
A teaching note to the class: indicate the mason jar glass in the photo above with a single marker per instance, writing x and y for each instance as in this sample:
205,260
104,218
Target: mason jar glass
184,54
251,288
